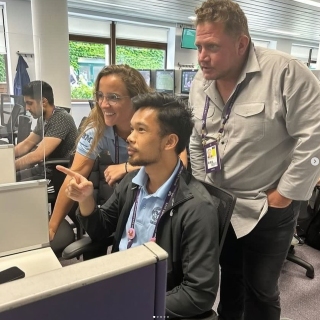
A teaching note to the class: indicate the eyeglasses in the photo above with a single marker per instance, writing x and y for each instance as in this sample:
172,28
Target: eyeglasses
111,98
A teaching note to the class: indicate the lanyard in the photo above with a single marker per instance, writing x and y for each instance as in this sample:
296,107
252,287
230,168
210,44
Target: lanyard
225,118
171,192
116,145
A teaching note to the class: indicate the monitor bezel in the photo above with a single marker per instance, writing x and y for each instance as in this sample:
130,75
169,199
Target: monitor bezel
181,78
155,80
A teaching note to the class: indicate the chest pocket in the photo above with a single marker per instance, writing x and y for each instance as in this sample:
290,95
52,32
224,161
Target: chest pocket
248,122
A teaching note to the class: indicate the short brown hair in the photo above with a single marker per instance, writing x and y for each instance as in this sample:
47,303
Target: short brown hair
226,11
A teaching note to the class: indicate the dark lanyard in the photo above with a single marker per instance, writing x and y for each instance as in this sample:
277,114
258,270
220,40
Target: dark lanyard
228,106
170,194
116,146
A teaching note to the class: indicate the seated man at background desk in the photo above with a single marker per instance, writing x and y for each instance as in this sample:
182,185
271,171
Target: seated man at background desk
160,202
54,135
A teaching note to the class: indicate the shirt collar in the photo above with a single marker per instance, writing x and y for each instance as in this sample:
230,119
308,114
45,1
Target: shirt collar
141,179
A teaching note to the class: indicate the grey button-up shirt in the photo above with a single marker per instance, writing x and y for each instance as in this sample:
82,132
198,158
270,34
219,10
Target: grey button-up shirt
270,138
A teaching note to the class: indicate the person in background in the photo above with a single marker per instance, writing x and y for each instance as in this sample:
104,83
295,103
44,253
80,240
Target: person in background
258,110
160,202
106,129
53,137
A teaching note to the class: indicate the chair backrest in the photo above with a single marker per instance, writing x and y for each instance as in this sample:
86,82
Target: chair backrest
24,128
66,109
225,209
91,104
13,119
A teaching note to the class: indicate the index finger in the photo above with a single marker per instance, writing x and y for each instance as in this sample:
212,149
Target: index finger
67,171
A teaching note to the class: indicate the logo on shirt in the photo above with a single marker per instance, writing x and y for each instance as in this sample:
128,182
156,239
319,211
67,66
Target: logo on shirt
86,137
154,216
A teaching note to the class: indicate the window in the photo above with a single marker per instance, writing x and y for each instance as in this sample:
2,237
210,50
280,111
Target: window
141,58
87,58
3,57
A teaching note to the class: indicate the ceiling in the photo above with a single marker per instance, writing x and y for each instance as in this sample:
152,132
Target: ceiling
284,15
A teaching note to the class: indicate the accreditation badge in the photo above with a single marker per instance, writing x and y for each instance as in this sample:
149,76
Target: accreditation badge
211,157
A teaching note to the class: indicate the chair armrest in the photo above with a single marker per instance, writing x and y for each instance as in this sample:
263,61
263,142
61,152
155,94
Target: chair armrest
83,246
62,161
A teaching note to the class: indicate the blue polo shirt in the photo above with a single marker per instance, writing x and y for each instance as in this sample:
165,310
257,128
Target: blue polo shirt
148,209
107,142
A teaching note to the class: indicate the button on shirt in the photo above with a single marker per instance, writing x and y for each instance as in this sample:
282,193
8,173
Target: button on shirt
148,209
107,142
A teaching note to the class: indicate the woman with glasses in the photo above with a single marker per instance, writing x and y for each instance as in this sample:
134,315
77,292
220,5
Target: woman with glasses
105,130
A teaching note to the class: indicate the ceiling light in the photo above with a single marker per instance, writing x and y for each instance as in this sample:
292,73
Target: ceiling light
192,18
283,32
106,4
309,2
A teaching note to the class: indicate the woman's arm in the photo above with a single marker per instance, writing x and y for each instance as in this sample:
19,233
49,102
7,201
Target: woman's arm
63,205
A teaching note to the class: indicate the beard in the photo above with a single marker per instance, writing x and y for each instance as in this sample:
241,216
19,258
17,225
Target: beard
141,162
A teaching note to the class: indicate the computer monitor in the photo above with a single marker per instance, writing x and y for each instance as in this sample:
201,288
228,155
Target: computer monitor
186,79
164,81
188,38
147,76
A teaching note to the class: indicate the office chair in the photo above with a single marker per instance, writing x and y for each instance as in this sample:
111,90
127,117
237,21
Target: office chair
91,104
16,100
24,128
9,130
226,205
65,234
303,211
66,109
102,192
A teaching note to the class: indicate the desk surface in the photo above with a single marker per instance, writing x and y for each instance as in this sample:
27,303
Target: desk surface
32,262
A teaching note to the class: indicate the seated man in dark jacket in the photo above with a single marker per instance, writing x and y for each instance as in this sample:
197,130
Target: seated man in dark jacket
161,202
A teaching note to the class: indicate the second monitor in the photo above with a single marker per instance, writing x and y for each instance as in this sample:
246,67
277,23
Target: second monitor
186,80
164,81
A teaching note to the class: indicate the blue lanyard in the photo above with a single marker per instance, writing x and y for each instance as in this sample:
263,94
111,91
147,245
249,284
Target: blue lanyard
170,195
228,106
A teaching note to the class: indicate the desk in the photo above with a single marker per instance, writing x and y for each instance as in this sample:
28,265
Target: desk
32,262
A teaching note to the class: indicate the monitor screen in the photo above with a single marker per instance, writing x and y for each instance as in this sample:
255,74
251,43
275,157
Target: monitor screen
147,75
164,81
186,79
188,38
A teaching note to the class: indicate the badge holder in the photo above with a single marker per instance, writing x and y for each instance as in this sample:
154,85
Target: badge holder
212,158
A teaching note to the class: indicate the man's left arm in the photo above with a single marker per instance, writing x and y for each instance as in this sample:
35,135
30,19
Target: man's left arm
301,96
44,149
200,263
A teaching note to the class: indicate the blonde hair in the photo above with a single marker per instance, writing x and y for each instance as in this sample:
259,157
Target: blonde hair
134,83
226,11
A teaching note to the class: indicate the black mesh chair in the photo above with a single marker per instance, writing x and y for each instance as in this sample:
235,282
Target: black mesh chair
227,202
24,128
9,130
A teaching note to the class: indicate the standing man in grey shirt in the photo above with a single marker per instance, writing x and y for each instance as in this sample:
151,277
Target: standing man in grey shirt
256,134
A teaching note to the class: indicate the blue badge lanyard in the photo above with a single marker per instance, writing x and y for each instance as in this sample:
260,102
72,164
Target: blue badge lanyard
116,146
170,195
228,106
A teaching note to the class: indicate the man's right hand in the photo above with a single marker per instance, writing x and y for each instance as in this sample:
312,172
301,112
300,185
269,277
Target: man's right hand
79,188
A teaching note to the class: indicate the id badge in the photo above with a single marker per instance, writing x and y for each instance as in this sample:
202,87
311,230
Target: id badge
212,158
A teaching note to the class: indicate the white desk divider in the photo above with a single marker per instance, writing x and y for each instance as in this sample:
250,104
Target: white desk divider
7,164
23,216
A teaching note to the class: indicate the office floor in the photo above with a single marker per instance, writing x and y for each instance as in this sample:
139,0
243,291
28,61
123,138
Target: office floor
300,295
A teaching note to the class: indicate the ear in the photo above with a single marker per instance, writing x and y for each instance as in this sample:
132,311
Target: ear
44,101
171,141
242,44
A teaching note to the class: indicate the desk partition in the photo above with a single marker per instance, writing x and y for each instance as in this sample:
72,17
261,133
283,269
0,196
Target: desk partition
23,216
7,167
130,284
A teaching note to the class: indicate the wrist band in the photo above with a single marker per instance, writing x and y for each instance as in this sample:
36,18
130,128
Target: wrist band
126,166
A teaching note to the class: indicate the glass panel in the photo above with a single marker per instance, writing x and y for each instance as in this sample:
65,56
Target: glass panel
86,61
18,119
140,58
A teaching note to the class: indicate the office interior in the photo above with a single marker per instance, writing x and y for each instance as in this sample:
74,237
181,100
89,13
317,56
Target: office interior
46,53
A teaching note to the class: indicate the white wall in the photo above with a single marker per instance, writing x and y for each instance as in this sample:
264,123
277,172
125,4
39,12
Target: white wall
19,36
